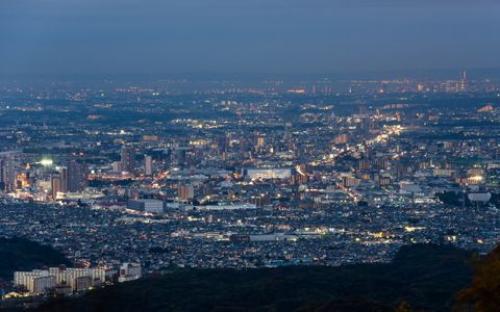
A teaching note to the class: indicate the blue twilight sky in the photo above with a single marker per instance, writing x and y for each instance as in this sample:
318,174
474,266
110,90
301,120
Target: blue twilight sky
253,36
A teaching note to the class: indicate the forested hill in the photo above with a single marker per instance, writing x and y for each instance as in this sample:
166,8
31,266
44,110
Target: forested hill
427,277
18,254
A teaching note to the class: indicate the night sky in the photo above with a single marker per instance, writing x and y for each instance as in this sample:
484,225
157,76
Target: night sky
255,36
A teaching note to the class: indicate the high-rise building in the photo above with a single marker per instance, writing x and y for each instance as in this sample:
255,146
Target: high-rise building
63,173
77,174
127,159
464,82
300,174
36,282
41,281
8,173
2,174
148,165
147,205
185,192
56,183
260,142
180,156
223,143
116,166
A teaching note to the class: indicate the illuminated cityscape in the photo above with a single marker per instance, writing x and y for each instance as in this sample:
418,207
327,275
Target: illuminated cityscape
249,178
169,149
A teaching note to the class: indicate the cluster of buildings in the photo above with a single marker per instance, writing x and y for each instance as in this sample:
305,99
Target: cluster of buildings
240,177
67,281
40,180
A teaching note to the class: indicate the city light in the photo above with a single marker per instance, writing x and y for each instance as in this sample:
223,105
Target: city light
46,162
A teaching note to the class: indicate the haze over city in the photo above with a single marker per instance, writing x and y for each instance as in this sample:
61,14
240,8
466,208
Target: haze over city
258,156
247,37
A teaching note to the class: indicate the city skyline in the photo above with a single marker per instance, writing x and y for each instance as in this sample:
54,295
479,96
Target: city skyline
260,155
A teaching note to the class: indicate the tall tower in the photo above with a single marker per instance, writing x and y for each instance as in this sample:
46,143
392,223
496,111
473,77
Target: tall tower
76,176
463,82
148,165
127,159
55,182
2,170
185,192
8,173
63,173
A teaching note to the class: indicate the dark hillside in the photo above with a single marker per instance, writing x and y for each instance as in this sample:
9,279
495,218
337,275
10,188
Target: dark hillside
425,276
18,254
